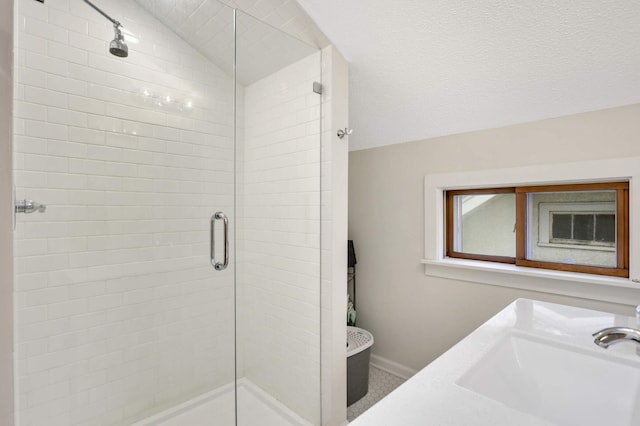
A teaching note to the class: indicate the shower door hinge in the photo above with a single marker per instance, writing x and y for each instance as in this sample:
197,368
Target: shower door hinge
317,87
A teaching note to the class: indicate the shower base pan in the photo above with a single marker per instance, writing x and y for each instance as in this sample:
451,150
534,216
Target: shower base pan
255,406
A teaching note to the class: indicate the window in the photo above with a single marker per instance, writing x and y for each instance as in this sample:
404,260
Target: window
576,228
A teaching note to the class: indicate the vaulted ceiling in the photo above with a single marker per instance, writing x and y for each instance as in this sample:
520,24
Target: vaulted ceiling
426,68
207,25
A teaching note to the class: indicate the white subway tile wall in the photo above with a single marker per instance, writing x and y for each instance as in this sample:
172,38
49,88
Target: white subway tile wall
279,272
119,313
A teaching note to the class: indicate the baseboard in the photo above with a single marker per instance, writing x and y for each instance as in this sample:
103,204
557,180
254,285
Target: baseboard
392,367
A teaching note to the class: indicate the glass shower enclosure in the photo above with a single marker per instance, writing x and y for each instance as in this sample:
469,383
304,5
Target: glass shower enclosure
174,277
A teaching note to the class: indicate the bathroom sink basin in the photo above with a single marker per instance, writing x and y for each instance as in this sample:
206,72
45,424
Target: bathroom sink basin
561,383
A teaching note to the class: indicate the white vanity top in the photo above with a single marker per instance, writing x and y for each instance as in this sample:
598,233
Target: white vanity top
441,394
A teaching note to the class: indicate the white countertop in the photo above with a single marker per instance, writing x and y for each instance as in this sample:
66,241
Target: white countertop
432,396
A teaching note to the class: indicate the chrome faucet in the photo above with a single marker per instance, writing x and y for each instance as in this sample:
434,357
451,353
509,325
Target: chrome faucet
608,336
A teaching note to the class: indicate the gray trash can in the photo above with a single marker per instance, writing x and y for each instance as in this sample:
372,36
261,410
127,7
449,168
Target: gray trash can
359,344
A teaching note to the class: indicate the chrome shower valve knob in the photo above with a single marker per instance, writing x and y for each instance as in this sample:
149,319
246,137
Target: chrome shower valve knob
29,206
344,132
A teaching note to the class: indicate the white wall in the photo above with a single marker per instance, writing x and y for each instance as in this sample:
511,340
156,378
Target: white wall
284,223
335,155
279,237
415,318
6,213
119,312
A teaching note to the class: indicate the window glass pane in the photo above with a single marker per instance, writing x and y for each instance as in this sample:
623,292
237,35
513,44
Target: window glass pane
606,228
561,226
583,227
485,224
574,227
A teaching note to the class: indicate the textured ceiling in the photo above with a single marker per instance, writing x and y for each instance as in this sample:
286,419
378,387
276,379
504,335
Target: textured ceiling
207,25
420,69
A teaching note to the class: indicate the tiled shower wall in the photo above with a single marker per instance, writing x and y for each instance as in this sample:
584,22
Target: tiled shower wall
119,313
279,273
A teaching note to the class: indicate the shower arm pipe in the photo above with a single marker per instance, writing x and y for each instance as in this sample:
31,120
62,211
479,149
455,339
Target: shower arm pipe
101,12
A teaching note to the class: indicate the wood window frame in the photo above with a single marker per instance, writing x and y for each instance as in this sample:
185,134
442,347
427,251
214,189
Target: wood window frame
622,227
449,222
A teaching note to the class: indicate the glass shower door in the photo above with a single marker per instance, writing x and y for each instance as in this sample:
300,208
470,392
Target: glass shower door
278,191
200,148
119,313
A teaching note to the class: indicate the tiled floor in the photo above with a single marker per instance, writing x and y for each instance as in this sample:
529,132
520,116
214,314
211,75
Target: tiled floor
381,384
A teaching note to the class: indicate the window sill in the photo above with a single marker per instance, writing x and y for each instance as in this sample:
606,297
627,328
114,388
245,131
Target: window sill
586,286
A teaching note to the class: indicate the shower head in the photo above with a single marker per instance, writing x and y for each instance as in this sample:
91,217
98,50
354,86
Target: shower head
117,47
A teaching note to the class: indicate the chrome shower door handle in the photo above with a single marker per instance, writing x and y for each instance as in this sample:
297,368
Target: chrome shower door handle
217,265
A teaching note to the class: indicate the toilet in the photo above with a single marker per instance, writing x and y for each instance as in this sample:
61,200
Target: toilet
359,343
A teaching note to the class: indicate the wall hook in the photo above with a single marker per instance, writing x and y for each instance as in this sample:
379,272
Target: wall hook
344,132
